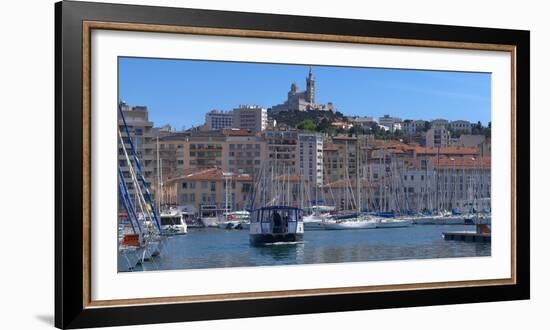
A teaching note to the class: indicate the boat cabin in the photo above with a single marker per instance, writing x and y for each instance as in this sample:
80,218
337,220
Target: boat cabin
276,224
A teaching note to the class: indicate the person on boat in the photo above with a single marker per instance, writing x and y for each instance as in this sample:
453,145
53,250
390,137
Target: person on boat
277,222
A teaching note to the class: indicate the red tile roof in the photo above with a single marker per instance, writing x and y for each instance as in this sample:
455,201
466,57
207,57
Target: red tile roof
237,132
210,174
329,147
447,150
466,162
288,178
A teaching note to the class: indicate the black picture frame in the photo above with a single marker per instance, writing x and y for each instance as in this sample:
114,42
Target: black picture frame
70,310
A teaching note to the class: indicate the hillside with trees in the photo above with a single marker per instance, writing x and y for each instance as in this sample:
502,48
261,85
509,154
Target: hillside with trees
307,120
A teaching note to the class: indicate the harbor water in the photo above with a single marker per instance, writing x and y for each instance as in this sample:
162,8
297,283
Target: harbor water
217,248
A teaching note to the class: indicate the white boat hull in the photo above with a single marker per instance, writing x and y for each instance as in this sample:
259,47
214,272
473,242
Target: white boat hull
210,222
314,225
128,258
313,222
392,223
350,224
175,229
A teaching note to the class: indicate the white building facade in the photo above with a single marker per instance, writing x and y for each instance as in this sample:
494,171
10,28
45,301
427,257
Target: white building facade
250,117
217,119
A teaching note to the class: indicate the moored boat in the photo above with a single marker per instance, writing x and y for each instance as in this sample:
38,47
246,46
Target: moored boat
172,223
359,222
209,221
235,220
393,223
313,222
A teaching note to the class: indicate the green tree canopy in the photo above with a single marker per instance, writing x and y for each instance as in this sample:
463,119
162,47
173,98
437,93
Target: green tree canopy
307,125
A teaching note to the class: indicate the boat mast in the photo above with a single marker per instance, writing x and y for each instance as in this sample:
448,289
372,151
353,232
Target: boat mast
226,175
161,184
437,183
158,176
357,173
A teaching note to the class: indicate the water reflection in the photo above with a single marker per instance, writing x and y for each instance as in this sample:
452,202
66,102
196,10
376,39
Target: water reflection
282,252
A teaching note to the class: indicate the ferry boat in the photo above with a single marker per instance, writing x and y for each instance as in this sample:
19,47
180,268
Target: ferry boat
274,224
173,223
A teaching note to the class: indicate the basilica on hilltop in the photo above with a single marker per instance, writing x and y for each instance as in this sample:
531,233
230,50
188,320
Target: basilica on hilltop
302,100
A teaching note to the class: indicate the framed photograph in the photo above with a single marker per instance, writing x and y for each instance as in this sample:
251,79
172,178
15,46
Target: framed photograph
214,164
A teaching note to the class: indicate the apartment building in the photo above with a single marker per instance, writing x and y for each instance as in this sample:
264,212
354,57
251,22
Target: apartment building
140,129
250,117
198,190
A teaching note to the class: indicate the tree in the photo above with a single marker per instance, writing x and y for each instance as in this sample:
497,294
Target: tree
324,125
427,126
478,129
458,133
398,134
307,125
487,132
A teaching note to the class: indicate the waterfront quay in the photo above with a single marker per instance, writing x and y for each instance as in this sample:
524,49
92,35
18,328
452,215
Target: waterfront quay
217,248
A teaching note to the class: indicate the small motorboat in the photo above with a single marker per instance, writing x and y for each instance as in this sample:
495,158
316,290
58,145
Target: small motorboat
173,223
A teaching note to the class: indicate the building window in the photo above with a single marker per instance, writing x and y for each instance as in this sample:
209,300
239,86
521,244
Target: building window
184,185
212,186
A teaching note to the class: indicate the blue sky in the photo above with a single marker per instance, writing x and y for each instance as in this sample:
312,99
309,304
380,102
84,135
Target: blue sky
180,92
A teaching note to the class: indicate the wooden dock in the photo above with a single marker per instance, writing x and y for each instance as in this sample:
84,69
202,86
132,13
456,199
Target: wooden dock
467,236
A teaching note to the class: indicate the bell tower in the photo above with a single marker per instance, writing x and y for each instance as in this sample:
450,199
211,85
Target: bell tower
310,89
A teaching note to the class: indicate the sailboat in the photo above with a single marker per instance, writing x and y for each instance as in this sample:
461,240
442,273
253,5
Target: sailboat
144,239
356,220
275,220
318,212
172,221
